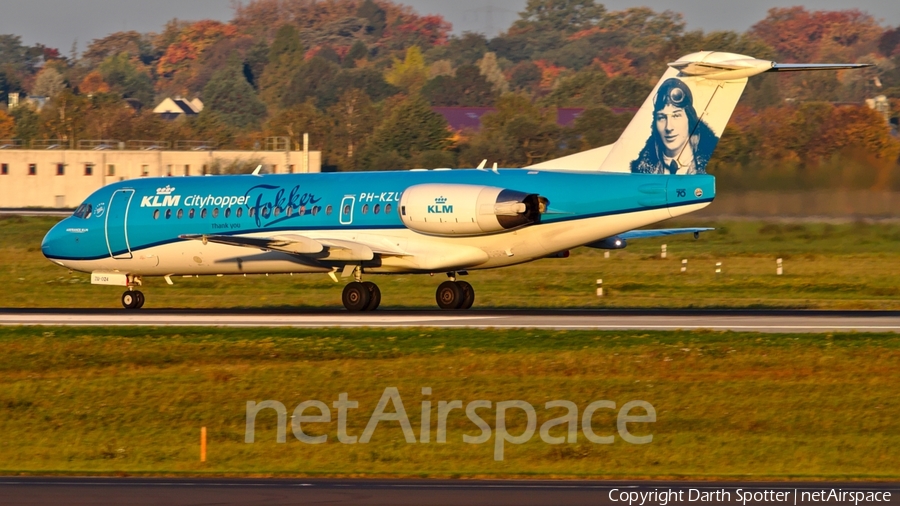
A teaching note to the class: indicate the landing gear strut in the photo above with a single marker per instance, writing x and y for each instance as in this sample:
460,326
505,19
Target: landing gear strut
455,295
133,299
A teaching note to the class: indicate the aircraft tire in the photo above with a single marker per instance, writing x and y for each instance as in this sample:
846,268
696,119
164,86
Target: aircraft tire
356,297
468,294
449,295
129,300
374,295
140,299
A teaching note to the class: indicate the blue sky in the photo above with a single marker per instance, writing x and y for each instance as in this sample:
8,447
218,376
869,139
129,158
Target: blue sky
57,23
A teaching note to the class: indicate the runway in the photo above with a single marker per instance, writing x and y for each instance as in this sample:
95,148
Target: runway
185,492
723,320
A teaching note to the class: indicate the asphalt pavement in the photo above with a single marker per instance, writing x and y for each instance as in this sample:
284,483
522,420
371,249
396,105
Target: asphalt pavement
744,320
75,491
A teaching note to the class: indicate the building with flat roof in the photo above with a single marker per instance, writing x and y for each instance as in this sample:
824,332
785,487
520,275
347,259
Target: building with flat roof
63,178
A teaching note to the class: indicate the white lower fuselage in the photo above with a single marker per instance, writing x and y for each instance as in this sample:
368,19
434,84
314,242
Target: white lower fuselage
425,253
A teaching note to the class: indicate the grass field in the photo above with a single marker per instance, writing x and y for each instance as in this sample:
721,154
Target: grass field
844,266
132,400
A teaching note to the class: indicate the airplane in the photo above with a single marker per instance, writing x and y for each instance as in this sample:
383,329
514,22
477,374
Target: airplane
419,221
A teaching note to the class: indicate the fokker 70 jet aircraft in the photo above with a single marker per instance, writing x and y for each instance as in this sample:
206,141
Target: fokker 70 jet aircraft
420,221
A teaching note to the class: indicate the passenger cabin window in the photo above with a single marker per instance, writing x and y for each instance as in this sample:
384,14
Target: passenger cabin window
315,210
156,214
191,214
228,212
252,212
239,212
302,210
180,213
203,213
216,212
328,210
377,208
277,211
168,213
365,209
387,209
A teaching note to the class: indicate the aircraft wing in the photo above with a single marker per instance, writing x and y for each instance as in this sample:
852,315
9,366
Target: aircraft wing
621,240
643,234
319,248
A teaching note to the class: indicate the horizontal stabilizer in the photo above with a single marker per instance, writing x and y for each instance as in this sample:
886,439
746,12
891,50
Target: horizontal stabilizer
722,70
800,67
746,67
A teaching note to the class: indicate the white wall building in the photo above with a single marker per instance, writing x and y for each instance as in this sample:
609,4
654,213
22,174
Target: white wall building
64,178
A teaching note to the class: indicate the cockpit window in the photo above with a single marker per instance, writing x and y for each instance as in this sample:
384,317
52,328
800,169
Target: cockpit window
84,211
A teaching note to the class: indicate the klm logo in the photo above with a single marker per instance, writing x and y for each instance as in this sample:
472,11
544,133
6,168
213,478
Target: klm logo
161,201
440,206
163,198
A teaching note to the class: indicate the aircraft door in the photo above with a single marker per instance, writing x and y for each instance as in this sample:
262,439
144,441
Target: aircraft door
117,224
347,209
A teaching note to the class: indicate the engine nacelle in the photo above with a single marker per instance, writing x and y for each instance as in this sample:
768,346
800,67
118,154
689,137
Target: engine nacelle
466,210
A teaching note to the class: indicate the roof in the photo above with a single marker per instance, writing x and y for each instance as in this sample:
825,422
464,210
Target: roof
179,105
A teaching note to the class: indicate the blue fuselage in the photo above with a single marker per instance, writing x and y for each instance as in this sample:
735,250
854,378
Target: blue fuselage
128,217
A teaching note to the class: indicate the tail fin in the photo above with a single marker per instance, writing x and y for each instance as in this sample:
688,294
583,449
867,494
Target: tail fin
679,125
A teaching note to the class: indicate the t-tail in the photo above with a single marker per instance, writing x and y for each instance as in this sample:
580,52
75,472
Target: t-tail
679,125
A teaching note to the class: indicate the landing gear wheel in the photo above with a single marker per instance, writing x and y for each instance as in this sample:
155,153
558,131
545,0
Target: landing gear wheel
449,295
140,299
374,296
468,294
129,300
356,297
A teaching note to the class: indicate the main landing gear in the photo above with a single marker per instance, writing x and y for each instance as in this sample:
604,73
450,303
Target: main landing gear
450,295
361,296
455,294
133,299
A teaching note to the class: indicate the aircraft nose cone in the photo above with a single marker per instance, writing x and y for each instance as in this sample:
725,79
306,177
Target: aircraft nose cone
51,246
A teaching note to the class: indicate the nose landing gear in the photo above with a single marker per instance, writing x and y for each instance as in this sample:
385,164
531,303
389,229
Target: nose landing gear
133,299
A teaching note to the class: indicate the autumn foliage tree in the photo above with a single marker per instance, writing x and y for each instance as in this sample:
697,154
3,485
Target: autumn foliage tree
340,69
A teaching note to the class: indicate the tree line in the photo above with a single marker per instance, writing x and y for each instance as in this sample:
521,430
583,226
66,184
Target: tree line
362,76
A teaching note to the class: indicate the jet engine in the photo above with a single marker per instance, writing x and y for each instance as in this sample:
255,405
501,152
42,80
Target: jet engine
467,210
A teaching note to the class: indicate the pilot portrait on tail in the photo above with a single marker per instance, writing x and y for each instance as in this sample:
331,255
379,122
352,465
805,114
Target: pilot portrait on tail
679,143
